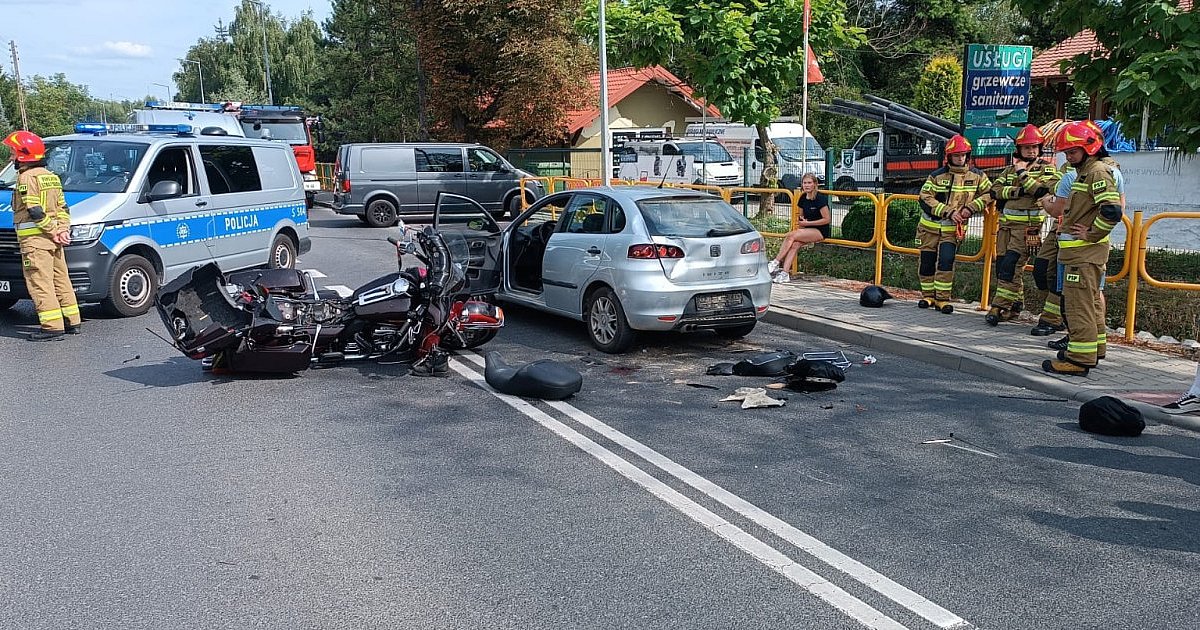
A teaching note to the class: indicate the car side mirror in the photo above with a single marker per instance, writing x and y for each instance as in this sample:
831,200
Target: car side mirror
165,189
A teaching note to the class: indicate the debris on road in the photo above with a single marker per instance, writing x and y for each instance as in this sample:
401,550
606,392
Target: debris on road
753,398
720,369
814,376
869,360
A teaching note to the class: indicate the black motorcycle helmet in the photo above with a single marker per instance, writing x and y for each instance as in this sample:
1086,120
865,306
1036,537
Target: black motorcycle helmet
873,296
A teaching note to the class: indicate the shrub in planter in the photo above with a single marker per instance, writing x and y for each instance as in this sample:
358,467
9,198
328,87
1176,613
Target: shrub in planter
903,215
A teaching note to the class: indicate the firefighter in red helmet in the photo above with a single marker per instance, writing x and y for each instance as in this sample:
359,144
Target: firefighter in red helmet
43,225
1017,191
948,198
1093,210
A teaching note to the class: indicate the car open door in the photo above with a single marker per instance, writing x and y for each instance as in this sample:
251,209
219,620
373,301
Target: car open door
467,226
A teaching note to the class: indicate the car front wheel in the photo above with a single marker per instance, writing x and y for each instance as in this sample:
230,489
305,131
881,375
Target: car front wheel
132,286
607,327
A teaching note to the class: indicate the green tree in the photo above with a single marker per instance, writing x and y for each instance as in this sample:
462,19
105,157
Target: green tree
939,90
368,82
54,105
503,72
743,57
1151,59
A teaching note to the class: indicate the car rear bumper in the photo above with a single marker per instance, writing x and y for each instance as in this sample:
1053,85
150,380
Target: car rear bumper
673,307
342,205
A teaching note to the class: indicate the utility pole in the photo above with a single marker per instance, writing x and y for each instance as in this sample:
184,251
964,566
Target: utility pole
16,61
266,56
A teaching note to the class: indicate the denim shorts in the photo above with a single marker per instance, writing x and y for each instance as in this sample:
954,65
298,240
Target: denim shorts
1061,271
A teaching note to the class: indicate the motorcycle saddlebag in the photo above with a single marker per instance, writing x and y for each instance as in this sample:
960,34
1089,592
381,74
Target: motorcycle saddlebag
198,314
273,280
271,359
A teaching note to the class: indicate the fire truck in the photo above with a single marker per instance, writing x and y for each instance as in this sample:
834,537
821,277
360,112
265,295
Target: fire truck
283,123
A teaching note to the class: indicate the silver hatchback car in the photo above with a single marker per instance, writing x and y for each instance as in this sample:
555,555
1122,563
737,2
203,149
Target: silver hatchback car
624,259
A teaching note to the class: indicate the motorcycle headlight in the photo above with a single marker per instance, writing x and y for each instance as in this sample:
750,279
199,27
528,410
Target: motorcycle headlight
86,233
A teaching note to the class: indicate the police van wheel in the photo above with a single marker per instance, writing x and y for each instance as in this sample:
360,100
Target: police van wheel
283,253
381,213
131,287
7,303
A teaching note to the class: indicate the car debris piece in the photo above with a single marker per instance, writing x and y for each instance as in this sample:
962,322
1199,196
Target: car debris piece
546,379
765,364
869,360
753,398
807,375
836,357
720,369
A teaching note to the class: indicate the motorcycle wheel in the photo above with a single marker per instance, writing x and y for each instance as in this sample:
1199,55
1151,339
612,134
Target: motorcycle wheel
474,339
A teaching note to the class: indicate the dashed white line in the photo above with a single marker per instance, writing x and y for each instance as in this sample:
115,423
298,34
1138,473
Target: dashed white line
873,579
759,550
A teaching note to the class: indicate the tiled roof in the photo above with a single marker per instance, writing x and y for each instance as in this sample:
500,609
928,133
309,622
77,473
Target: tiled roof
1045,65
625,81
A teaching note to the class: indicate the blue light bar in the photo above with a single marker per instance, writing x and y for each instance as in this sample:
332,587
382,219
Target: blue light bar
178,105
101,128
90,128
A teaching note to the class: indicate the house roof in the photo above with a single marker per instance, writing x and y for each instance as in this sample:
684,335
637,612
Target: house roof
625,81
1045,66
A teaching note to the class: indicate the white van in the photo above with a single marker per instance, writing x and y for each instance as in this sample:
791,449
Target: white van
714,165
148,203
798,152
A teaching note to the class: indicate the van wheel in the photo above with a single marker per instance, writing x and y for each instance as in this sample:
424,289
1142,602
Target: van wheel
607,328
131,287
381,213
736,332
283,253
514,206
7,303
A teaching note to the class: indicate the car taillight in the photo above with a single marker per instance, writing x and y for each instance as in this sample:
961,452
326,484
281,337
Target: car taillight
654,251
753,246
346,185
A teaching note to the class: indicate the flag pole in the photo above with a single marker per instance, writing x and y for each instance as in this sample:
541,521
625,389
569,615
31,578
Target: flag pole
606,165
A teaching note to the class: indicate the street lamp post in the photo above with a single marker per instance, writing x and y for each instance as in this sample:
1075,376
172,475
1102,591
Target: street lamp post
165,86
605,141
266,57
200,70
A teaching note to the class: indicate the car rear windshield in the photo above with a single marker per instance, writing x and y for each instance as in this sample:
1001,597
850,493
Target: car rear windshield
692,217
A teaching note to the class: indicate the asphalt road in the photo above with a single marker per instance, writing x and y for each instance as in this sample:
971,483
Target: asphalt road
140,492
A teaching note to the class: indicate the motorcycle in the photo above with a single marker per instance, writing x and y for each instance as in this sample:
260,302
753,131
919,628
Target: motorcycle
278,321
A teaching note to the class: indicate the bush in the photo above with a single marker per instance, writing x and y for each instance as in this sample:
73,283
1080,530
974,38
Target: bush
903,215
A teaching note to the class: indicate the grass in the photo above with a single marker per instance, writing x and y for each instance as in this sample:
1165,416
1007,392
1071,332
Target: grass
1159,311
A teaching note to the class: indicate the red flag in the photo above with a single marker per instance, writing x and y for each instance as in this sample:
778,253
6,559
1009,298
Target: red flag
814,70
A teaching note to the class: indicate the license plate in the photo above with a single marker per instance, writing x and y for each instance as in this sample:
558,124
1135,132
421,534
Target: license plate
5,286
718,301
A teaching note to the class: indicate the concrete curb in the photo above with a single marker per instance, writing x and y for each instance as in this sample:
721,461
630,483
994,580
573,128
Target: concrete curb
959,361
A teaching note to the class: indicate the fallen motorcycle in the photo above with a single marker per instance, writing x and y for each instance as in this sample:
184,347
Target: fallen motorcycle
278,321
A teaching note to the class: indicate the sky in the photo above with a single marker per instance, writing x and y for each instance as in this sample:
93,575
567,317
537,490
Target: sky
119,49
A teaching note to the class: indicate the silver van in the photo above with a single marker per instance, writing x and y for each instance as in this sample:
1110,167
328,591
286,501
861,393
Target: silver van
149,202
381,182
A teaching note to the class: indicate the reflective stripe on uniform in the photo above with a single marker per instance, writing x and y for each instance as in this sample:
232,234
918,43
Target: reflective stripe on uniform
927,286
942,286
33,231
1009,294
1081,347
1052,307
1108,196
1103,225
937,227
51,315
1022,218
1076,243
72,309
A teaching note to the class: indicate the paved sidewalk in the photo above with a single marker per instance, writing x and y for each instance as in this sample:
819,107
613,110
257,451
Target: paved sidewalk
962,341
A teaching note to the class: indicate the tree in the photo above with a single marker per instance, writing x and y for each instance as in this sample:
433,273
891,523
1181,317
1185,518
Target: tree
743,57
367,87
54,105
1151,58
503,72
939,90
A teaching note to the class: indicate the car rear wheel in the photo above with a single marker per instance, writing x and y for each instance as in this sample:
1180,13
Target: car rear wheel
736,332
608,330
131,287
381,213
7,303
845,184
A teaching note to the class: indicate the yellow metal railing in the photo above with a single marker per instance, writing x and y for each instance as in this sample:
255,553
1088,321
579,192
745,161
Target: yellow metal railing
326,176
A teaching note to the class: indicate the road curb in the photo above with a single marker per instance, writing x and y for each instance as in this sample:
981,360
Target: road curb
959,361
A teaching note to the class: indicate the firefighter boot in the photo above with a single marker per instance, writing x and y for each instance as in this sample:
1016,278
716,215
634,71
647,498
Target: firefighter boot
77,329
1044,329
45,335
995,315
944,306
924,302
1058,344
1066,368
1012,312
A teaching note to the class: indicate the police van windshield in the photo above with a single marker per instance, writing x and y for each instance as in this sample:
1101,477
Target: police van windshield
287,131
793,149
705,151
88,165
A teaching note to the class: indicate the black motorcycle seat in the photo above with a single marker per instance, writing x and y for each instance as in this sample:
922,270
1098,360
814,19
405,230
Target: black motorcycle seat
546,378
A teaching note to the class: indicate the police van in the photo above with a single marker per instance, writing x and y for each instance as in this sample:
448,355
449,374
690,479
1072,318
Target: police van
149,202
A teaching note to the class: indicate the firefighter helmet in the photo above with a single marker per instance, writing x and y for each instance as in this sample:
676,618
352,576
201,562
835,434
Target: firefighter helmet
26,146
957,144
1079,135
873,296
1030,135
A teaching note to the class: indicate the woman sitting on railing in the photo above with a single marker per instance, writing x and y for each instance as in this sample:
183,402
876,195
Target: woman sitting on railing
812,228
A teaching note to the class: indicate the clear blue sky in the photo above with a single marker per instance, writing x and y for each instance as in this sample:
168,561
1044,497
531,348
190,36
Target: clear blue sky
118,48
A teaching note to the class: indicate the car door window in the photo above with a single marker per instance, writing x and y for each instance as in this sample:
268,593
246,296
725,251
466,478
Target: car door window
483,161
439,160
174,164
230,168
616,218
585,215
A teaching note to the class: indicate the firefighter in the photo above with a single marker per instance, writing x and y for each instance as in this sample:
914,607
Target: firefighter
949,197
1093,209
1018,190
43,225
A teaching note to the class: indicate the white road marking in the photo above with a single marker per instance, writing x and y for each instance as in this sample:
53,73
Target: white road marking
866,575
314,273
342,290
774,559
951,444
